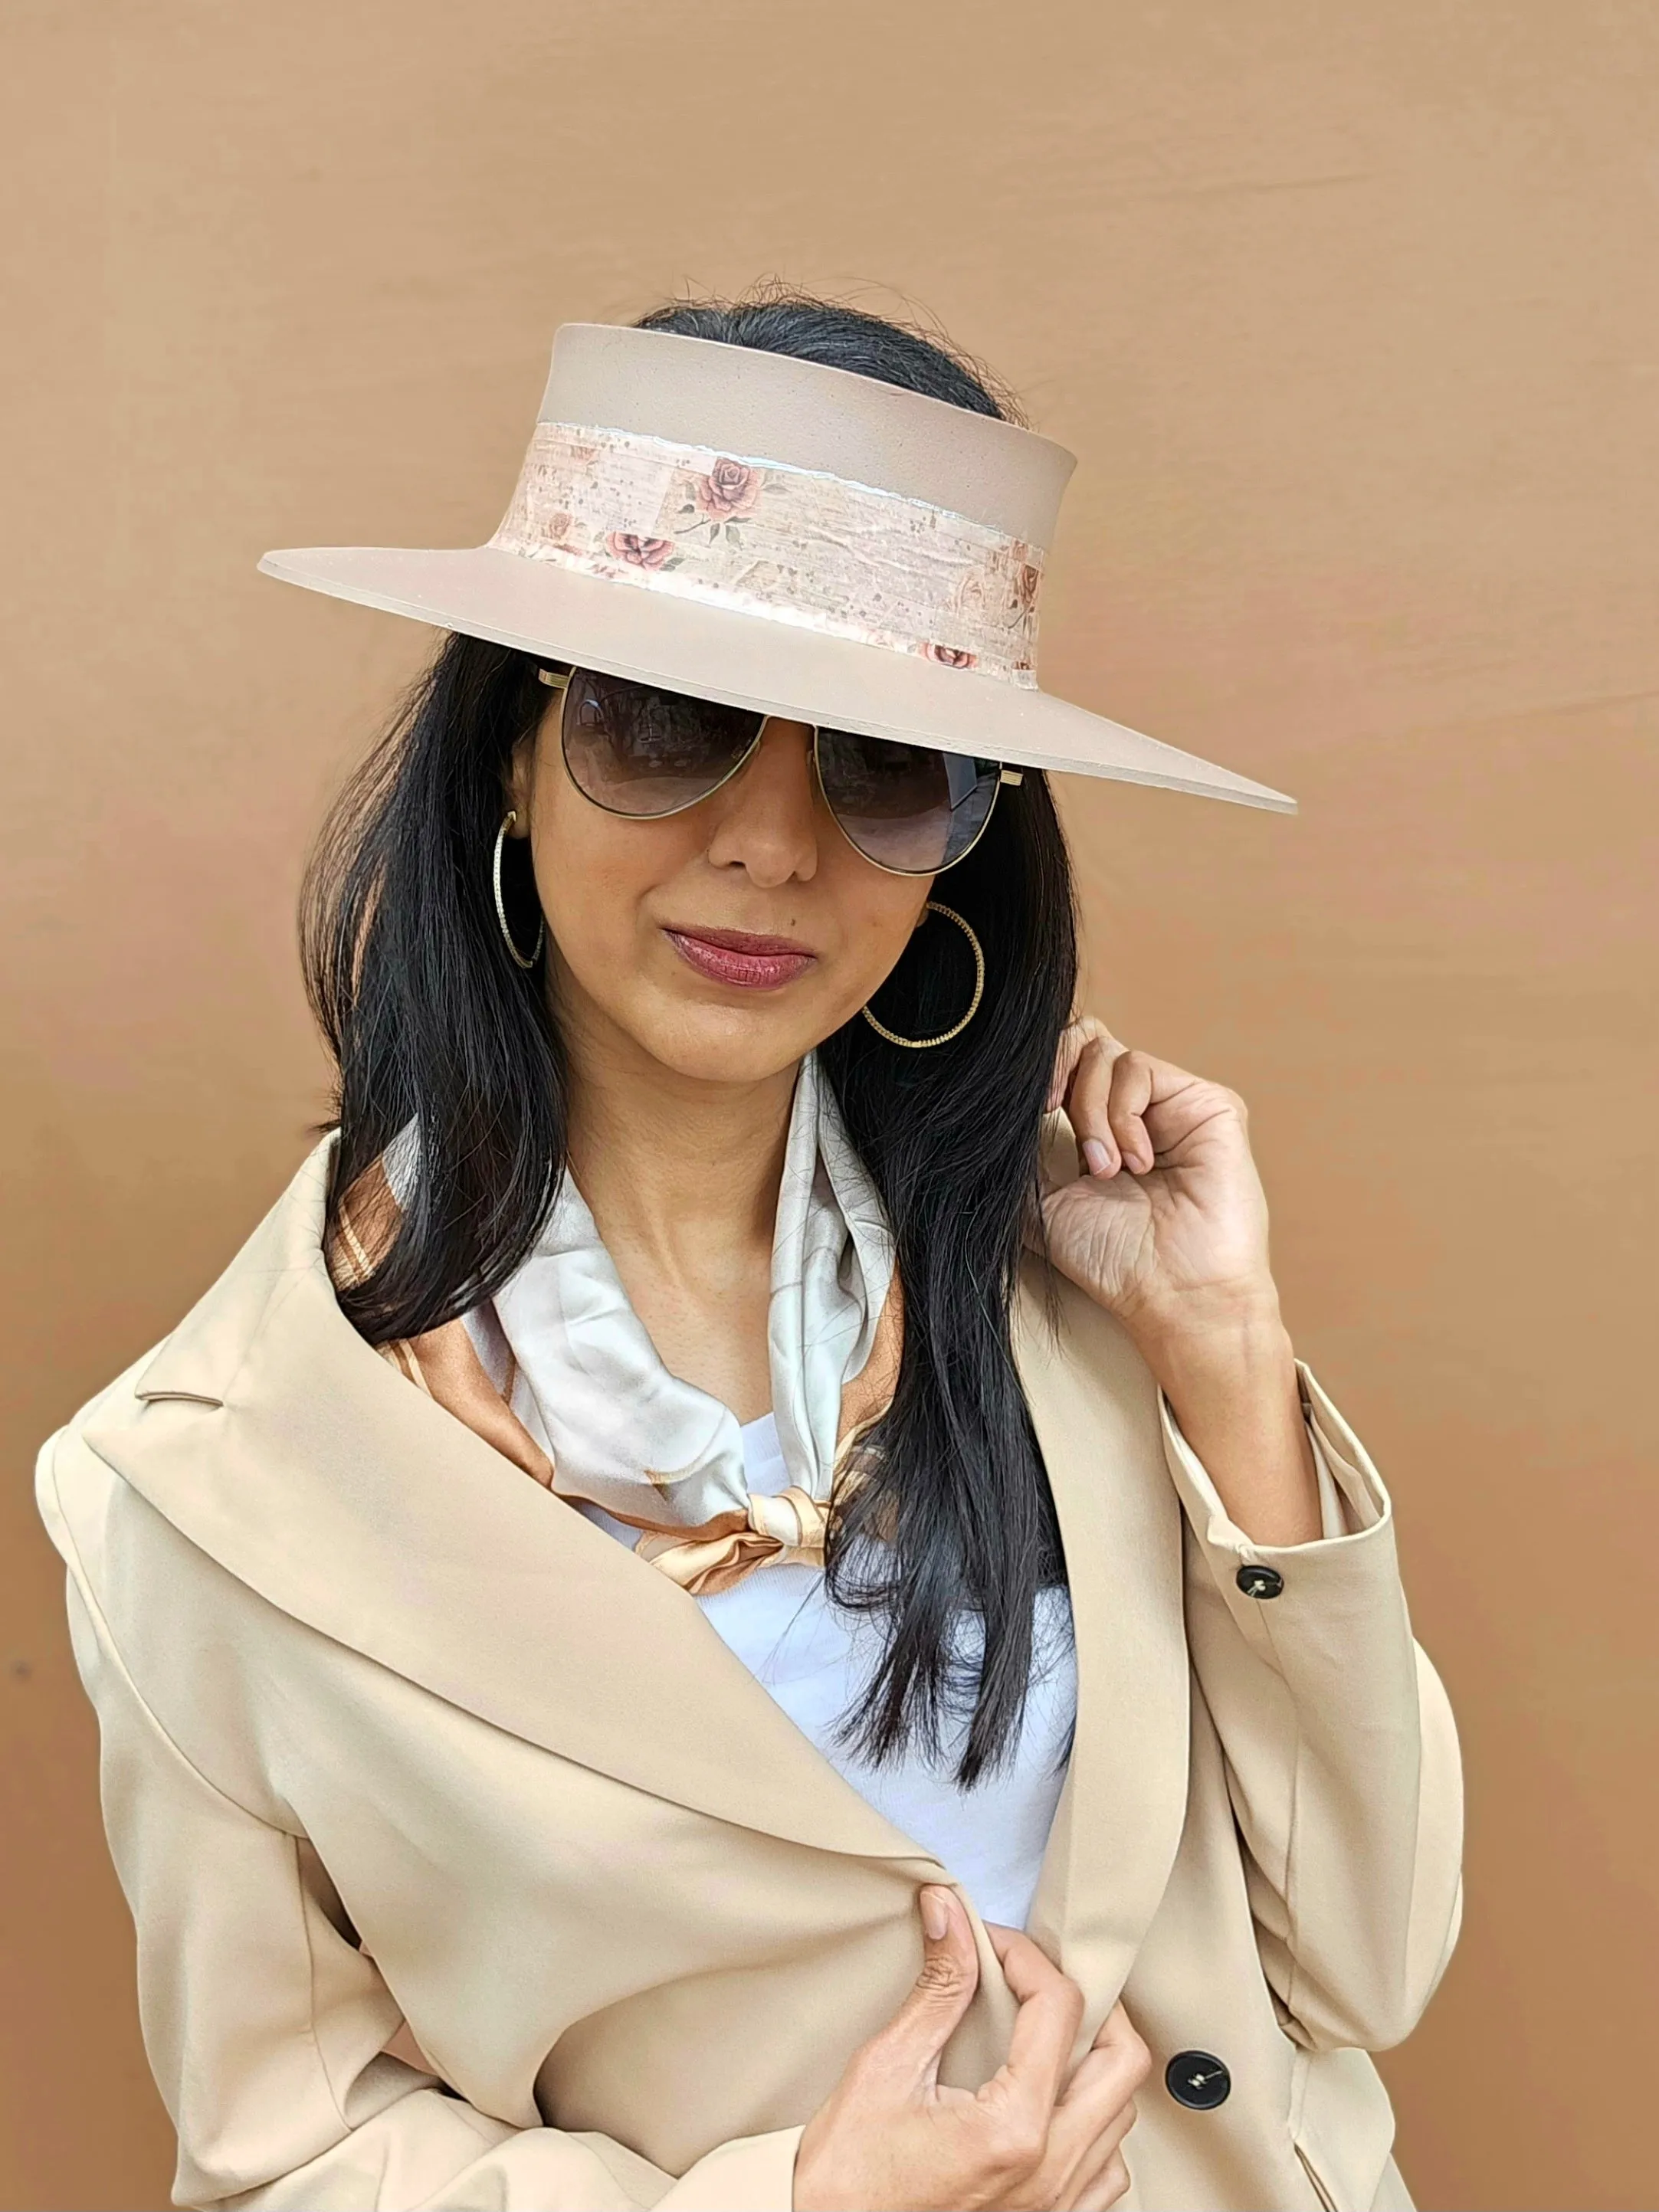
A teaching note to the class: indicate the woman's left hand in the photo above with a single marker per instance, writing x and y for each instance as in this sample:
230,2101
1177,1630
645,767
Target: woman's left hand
1167,1224
1167,1227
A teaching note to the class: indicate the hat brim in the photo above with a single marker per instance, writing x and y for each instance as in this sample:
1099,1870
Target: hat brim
750,660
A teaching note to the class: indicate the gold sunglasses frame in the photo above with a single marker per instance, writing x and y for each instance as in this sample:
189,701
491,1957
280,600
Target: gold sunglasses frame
559,681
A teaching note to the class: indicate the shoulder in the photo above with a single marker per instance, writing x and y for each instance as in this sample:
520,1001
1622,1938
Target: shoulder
136,1572
74,1487
174,1651
85,1471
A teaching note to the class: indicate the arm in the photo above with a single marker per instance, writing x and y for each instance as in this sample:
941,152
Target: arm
265,2024
1341,1755
1342,1761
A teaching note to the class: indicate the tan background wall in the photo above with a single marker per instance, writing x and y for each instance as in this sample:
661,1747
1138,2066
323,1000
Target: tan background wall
1350,311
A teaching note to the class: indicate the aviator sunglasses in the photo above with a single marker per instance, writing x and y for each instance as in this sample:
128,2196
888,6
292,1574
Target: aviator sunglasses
637,751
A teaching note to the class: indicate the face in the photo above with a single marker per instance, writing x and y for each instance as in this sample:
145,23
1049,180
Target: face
723,942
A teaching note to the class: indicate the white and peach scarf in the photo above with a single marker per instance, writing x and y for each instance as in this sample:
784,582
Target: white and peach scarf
559,1374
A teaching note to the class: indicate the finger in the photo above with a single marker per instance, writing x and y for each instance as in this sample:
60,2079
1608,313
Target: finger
1130,1095
1110,2187
1045,2026
1088,1109
912,2039
1104,2079
1087,2178
1118,2035
1098,2108
1073,1038
1083,1031
1087,2128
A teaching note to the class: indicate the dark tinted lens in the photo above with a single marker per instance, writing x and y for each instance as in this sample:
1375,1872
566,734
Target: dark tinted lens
637,751
905,807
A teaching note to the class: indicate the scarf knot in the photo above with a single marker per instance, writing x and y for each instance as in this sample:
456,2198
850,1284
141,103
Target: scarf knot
785,1529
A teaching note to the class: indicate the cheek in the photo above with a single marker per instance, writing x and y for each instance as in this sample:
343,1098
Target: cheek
877,915
593,872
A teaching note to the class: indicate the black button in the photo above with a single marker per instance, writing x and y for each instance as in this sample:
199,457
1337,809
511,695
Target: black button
1258,1580
1198,2079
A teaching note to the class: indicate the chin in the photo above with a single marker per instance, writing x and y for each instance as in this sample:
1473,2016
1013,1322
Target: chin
741,1045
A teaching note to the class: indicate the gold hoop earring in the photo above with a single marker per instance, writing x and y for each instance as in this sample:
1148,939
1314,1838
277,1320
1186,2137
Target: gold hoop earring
501,904
927,1044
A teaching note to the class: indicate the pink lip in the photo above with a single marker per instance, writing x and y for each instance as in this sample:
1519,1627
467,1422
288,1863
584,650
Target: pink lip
734,956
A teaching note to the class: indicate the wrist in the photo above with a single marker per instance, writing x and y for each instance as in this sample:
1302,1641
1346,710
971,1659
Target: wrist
1209,1336
1231,1387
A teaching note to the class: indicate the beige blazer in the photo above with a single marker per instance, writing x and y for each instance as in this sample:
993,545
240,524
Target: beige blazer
398,1750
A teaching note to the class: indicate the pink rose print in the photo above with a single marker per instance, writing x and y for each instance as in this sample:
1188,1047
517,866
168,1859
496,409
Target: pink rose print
730,488
1027,577
638,552
952,656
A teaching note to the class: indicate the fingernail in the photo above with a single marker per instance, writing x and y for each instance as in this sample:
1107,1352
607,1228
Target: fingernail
935,1915
1096,1157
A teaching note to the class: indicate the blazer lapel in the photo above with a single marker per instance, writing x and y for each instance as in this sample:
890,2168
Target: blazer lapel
1118,1825
279,1442
309,1467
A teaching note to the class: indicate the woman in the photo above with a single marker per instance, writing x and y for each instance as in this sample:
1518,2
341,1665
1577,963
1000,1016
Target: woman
738,1599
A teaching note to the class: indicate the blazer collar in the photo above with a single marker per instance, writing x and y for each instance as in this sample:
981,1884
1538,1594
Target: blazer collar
310,1469
277,1441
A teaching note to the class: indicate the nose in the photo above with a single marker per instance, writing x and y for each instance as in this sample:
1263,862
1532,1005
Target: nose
767,818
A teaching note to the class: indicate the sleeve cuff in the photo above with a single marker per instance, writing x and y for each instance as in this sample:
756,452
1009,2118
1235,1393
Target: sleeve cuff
1307,1611
1353,1501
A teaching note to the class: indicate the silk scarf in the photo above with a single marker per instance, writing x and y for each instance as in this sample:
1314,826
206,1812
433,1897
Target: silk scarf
559,1373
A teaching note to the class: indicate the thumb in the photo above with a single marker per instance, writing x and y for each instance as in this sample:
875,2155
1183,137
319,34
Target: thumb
919,2030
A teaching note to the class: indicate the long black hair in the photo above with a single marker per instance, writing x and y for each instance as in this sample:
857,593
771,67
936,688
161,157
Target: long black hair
435,1028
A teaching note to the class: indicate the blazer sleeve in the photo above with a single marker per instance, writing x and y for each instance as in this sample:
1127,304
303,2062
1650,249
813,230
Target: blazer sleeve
1341,1750
266,2024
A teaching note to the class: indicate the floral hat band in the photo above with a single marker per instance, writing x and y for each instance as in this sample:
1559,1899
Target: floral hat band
779,535
790,545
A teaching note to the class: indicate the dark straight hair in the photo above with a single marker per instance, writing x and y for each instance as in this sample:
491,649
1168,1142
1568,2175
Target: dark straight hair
435,1030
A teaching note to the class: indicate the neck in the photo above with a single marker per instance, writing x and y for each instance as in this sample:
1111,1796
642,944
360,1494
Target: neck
681,1176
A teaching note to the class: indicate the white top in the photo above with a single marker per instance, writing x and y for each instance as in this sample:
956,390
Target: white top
815,1658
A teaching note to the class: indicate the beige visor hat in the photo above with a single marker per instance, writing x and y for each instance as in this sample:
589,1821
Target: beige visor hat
780,536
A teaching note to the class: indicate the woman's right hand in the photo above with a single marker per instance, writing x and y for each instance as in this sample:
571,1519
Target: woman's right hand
889,2139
